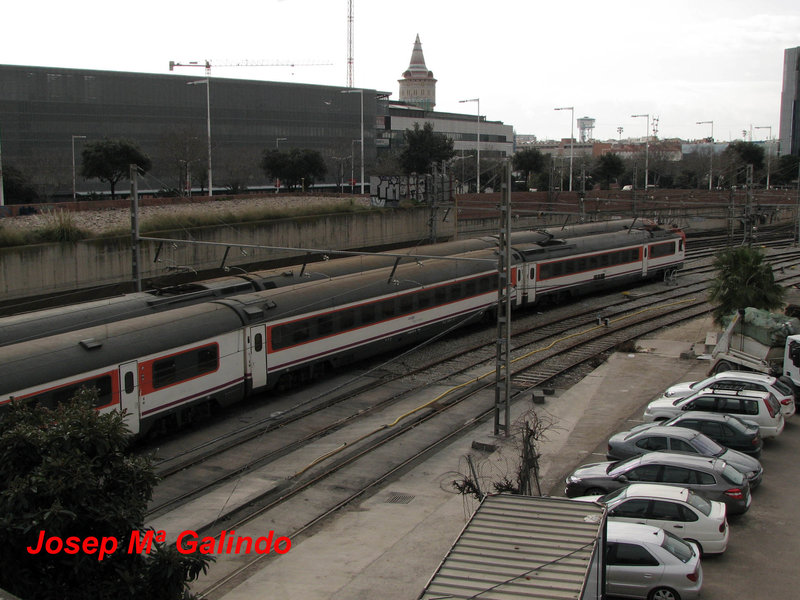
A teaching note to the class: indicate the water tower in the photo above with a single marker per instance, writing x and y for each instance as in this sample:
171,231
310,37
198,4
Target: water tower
586,127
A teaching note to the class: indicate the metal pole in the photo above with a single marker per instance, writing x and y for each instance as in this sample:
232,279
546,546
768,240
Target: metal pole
208,129
362,141
502,397
137,276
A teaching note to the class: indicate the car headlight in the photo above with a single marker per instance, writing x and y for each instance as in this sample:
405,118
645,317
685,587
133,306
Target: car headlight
573,479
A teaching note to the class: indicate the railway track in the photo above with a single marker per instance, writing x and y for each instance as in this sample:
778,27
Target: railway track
331,460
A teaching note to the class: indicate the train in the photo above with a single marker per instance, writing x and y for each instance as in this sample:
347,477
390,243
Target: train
34,324
167,368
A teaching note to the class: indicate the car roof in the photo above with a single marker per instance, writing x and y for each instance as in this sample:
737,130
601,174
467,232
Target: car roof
745,376
679,459
712,391
682,432
656,490
618,531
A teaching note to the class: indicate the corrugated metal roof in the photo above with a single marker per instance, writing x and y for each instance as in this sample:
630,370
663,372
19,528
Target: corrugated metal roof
521,547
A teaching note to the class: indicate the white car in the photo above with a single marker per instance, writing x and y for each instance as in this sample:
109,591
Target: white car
648,562
675,509
739,380
761,408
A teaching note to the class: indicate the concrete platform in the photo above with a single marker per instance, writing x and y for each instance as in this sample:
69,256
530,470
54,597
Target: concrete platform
390,544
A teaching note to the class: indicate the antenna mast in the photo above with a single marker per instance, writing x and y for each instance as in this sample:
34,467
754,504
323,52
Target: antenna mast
350,43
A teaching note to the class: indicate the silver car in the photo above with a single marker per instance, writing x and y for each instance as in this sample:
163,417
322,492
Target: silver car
648,562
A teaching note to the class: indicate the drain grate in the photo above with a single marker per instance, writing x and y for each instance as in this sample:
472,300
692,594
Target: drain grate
399,498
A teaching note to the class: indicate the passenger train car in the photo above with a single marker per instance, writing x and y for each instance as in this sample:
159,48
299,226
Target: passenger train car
35,324
166,367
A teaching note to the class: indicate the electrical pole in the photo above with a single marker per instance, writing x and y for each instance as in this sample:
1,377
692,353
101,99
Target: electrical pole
137,276
502,392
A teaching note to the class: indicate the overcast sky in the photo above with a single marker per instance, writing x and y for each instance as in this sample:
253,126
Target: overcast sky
682,61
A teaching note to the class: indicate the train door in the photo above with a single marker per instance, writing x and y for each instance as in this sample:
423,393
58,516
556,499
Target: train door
129,394
257,355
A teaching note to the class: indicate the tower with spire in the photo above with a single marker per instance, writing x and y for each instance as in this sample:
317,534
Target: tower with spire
418,86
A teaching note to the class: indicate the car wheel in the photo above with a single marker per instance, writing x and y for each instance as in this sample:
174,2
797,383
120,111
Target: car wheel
663,593
595,491
724,366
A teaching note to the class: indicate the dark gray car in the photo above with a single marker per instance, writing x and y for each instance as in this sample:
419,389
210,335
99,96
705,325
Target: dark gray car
729,430
712,477
681,439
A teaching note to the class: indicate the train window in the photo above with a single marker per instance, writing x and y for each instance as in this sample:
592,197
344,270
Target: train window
185,365
569,267
659,250
347,318
489,282
259,342
325,325
300,332
129,382
532,275
52,398
407,304
594,261
581,266
441,295
603,260
470,288
388,308
367,314
424,299
164,373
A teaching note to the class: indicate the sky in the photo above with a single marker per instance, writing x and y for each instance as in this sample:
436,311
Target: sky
681,61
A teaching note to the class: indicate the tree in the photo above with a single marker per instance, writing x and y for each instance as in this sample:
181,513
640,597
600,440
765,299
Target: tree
608,166
66,472
295,167
424,147
738,155
743,279
16,187
529,160
110,160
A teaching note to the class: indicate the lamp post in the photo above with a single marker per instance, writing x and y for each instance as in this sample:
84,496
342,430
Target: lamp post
646,148
478,170
571,110
279,140
208,126
360,91
74,137
711,160
769,146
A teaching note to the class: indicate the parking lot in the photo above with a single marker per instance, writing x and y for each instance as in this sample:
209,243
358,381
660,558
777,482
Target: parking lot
761,560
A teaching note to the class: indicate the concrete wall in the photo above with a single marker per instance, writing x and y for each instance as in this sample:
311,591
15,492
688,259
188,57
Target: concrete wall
48,268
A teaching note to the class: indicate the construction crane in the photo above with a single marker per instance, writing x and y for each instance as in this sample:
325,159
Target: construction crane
243,63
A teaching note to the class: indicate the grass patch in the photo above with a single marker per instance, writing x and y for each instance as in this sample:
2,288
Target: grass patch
58,226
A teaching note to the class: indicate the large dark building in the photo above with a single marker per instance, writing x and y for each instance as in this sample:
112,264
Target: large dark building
790,102
46,112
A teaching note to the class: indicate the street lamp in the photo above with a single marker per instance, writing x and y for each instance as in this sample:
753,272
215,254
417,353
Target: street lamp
478,170
74,137
769,146
208,126
646,148
360,91
279,140
571,110
711,162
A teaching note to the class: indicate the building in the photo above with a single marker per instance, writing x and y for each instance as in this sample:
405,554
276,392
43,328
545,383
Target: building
46,112
790,103
526,547
418,86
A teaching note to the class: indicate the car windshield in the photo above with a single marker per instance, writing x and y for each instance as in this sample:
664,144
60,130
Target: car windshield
619,493
740,425
615,468
700,503
706,446
677,547
733,476
782,387
773,402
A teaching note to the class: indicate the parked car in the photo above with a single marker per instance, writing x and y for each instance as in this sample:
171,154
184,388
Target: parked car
681,439
648,562
728,430
678,510
712,477
740,380
760,408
